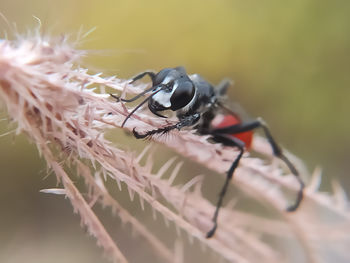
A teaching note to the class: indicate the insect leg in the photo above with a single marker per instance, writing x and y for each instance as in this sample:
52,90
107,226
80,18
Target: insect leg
185,121
277,151
134,98
234,142
142,74
221,88
137,77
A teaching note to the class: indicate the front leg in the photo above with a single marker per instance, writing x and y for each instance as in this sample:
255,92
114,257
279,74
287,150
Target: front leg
184,122
151,74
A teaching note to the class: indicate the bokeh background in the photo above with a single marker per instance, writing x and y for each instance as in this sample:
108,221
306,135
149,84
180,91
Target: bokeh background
290,62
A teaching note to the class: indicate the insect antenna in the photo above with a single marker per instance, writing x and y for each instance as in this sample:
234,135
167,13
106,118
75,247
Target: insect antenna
134,98
143,102
138,95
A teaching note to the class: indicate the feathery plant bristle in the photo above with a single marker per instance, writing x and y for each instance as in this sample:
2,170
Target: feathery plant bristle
50,99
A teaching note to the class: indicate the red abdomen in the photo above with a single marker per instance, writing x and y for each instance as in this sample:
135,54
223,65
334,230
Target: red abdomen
229,120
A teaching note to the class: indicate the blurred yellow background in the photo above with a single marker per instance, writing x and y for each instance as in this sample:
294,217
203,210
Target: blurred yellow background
290,62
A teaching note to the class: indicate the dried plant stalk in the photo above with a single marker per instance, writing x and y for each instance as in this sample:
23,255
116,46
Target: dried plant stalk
53,101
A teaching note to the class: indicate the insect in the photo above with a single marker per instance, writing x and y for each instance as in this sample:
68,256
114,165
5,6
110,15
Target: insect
197,103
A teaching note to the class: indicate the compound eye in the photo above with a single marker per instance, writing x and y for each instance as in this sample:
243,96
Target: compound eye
182,95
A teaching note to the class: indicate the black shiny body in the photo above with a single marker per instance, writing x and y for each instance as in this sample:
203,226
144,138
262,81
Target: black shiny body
196,103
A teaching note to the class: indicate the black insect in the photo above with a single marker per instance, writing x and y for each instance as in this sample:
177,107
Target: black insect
196,103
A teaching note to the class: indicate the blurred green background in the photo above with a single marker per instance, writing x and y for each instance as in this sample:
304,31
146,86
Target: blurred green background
290,62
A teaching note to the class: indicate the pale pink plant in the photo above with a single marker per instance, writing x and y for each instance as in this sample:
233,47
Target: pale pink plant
66,111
